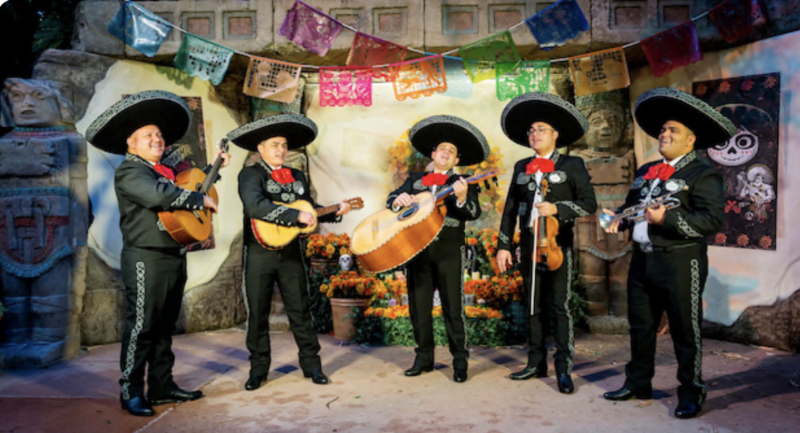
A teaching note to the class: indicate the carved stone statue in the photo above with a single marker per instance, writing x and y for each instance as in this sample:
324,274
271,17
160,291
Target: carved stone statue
43,225
604,258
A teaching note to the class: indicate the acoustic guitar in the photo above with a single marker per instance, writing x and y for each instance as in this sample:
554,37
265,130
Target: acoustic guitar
388,239
190,226
273,236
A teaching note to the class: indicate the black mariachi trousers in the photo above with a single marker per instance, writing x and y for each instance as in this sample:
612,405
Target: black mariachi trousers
261,269
154,284
552,301
438,265
671,281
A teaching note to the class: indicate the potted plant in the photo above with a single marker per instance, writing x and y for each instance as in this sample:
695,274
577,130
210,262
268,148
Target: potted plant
324,251
349,292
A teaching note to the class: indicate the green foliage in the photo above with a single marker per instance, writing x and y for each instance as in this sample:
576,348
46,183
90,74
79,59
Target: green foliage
378,331
486,332
516,317
318,303
2,310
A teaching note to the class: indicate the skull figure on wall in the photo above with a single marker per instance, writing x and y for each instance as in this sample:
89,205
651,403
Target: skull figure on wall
346,262
753,124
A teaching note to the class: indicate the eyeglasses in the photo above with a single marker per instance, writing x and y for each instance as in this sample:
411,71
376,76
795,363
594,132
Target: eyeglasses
540,130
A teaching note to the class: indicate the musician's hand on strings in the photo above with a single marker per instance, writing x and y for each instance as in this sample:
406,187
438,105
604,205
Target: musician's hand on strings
344,208
403,200
306,218
209,203
460,189
613,228
226,157
504,260
546,209
655,215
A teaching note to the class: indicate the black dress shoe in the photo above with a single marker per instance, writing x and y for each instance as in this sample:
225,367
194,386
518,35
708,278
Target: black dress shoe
624,393
460,375
175,396
687,410
318,377
137,406
565,385
418,369
255,381
529,372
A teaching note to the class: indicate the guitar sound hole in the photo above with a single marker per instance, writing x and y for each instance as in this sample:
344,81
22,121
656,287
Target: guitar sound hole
407,212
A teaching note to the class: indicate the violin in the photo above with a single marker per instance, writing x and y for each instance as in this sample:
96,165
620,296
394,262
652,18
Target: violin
546,252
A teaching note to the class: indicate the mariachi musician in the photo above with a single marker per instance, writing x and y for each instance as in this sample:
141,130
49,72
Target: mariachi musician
543,121
450,141
153,263
670,262
264,187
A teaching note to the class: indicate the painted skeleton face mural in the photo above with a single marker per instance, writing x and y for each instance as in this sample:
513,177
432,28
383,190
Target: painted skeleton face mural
754,125
739,150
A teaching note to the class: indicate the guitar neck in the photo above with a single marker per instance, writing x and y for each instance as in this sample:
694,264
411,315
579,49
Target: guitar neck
474,179
327,209
212,174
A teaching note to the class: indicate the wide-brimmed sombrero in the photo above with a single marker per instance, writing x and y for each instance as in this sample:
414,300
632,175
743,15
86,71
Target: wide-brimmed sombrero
431,131
524,110
657,106
168,111
298,130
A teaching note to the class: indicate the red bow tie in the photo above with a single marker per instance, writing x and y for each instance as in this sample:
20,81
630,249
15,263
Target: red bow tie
164,171
437,179
662,171
545,165
283,176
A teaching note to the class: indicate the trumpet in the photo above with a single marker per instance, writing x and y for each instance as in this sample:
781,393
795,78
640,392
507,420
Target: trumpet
636,213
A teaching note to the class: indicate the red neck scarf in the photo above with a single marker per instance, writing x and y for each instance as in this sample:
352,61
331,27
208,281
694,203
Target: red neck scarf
164,171
662,171
437,179
282,176
545,165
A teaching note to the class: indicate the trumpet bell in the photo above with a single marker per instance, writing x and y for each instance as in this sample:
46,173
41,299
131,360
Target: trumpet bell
605,220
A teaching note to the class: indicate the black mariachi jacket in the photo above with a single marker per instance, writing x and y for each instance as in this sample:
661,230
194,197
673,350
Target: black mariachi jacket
142,193
259,194
570,189
453,229
701,211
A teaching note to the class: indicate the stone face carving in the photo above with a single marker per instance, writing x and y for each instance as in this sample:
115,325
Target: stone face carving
43,219
603,258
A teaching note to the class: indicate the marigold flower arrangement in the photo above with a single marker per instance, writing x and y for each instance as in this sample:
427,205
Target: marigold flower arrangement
497,290
393,312
330,246
349,284
482,313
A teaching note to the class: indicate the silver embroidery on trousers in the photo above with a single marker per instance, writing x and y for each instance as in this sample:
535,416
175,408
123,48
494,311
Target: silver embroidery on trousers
130,356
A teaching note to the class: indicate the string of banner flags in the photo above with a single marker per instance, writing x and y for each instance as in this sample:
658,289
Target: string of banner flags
495,57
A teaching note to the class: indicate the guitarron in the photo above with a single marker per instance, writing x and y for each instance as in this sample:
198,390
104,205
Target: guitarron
188,226
388,239
273,236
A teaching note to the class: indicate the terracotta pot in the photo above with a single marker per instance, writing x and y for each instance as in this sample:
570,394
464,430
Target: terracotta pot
321,265
341,310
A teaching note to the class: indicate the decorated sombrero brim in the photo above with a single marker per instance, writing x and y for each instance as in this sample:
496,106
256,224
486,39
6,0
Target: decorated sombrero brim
657,106
431,131
527,109
168,111
298,130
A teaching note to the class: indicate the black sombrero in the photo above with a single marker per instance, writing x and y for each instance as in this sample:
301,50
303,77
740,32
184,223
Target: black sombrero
168,111
298,130
657,106
431,131
529,108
